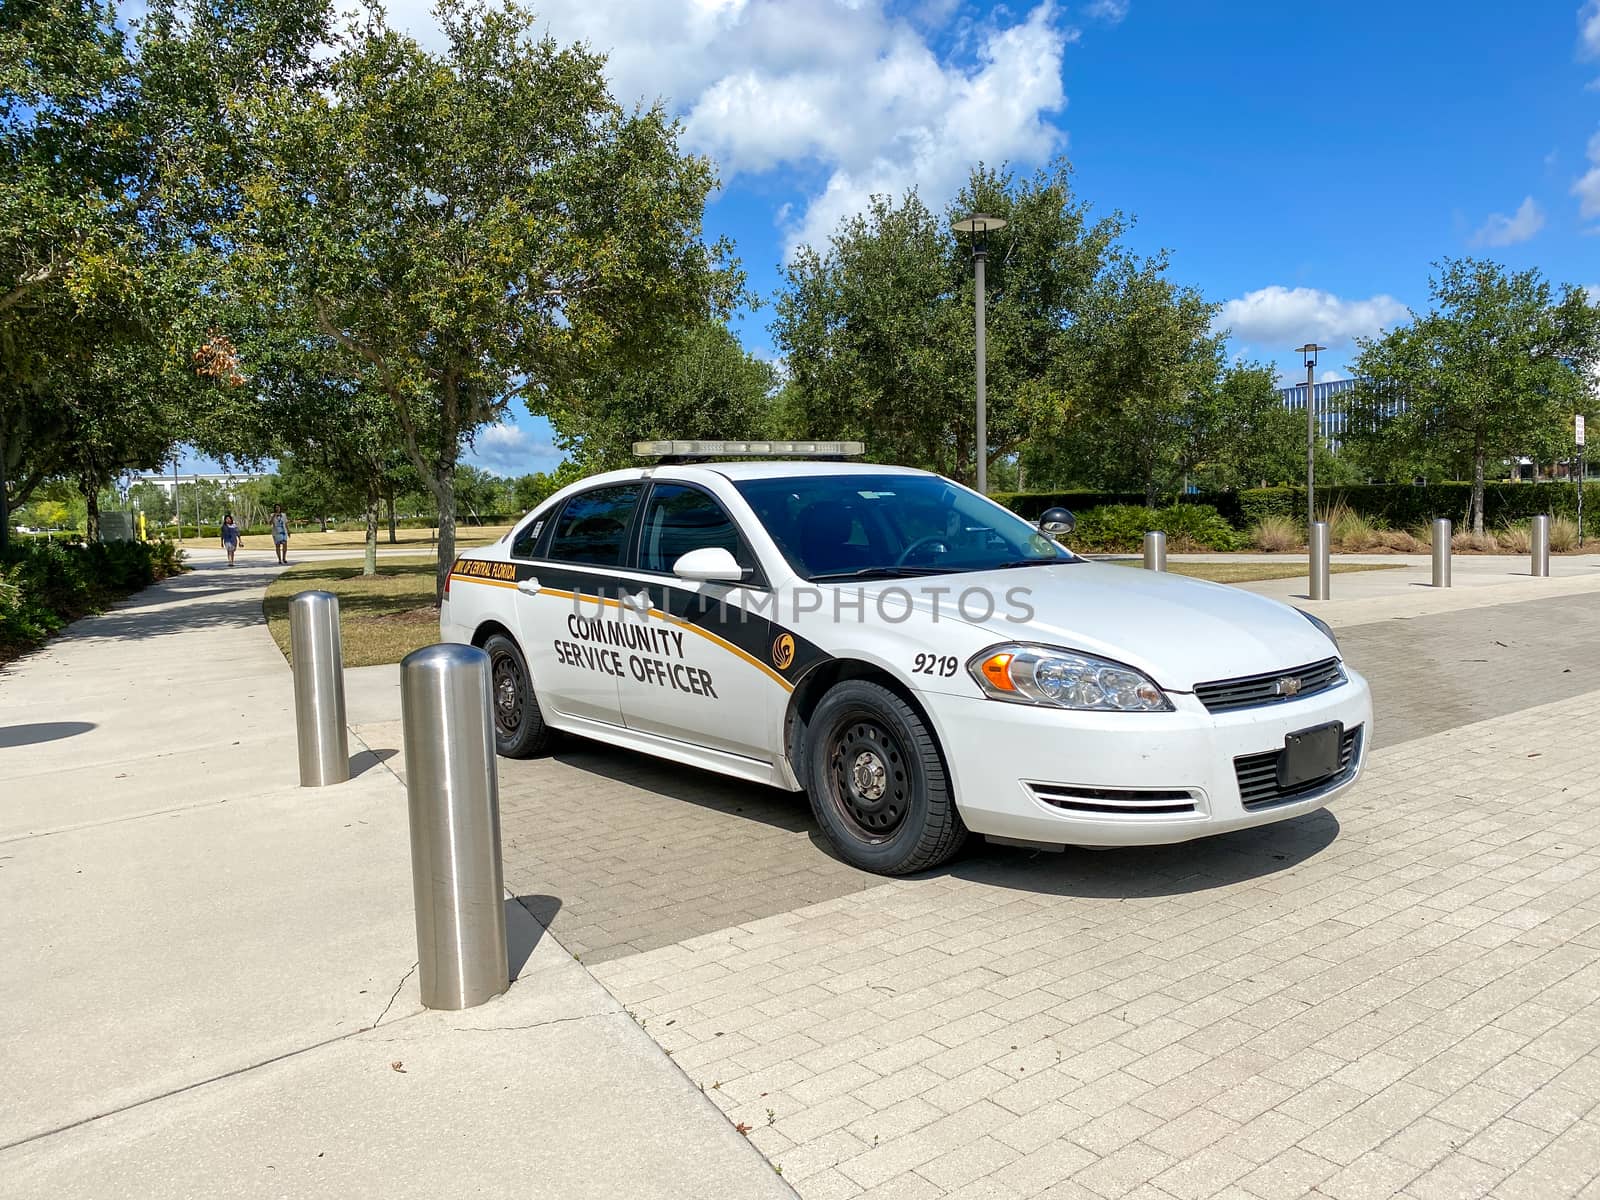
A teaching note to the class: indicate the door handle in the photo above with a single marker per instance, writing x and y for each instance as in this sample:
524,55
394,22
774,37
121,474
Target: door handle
639,601
528,587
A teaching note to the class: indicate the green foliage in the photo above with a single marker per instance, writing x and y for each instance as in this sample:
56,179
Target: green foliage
700,384
1401,506
1031,504
1495,370
45,585
1121,527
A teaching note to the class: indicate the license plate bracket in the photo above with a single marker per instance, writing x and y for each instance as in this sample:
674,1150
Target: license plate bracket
1310,754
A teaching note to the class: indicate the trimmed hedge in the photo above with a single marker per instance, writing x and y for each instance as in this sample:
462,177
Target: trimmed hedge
1121,527
1390,505
45,585
1401,505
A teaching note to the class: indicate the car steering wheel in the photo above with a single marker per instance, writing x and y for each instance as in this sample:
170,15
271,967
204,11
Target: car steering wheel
936,539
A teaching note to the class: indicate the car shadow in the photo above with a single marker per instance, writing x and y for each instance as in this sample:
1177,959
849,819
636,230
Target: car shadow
1219,861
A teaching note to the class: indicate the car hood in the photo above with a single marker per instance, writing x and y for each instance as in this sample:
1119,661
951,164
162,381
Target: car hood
1179,631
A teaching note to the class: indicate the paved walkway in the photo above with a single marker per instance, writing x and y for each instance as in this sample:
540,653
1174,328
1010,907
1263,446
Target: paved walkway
210,988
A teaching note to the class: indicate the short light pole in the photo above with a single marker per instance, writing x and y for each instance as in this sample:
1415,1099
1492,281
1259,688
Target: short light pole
1310,350
980,226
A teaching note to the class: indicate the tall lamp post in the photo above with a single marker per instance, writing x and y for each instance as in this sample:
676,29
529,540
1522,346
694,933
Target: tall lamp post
979,226
1310,350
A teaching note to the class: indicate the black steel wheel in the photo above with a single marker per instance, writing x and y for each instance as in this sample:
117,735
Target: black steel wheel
519,728
878,785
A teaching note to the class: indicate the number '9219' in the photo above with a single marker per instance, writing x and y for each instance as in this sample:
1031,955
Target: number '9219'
935,664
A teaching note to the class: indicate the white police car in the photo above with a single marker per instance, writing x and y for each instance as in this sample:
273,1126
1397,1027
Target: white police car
918,659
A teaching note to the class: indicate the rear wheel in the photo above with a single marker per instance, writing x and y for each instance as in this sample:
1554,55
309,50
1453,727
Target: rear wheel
879,788
519,728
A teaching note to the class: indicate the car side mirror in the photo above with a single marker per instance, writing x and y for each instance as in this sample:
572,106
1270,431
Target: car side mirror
709,564
1057,522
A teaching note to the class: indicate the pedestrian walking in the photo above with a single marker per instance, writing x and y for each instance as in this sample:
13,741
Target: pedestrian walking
280,533
230,537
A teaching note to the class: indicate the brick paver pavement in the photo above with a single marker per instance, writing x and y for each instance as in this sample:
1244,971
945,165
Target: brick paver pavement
1396,999
623,853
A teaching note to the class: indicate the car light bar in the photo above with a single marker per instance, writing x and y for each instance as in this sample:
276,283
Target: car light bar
717,449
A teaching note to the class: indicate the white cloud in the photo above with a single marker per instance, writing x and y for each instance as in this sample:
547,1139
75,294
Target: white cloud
1111,11
854,95
1587,188
1501,230
1592,291
1283,317
507,450
1589,29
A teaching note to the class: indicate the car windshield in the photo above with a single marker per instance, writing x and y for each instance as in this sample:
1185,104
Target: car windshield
860,526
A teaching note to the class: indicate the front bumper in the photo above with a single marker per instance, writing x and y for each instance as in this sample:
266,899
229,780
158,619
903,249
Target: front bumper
1132,779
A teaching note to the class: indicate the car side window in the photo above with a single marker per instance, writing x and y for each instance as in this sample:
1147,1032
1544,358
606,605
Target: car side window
593,526
678,519
527,537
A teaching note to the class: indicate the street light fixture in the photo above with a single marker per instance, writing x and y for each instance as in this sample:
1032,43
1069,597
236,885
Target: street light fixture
979,226
1310,350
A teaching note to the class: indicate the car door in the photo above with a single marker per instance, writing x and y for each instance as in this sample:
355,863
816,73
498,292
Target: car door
566,606
695,672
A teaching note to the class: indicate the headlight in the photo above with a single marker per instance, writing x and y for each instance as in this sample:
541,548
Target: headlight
1064,679
1322,625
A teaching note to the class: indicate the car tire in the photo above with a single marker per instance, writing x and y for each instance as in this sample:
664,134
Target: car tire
519,728
878,785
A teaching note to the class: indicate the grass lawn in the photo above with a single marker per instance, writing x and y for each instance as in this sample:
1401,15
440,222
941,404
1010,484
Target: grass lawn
382,618
355,538
1250,572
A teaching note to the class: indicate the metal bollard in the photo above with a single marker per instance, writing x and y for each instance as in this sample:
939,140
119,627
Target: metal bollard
1541,545
1319,560
1441,552
318,689
1155,551
454,801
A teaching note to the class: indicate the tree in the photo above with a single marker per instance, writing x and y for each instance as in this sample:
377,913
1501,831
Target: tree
1494,370
1144,368
877,328
473,225
700,384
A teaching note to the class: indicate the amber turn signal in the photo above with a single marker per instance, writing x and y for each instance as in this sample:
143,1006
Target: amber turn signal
997,670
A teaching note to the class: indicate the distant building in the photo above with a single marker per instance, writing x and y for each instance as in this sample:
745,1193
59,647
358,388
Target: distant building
228,479
1329,406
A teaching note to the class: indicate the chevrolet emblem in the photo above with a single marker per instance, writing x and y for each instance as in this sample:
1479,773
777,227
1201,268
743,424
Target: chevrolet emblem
1289,685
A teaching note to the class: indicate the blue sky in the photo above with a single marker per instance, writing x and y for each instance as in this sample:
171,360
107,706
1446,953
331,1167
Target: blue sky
1304,164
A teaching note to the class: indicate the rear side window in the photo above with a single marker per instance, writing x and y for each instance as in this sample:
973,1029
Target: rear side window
679,519
522,545
593,527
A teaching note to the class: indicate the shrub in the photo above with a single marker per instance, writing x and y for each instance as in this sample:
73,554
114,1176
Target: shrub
1472,542
1121,527
1515,539
1273,533
1401,540
1350,531
1563,534
45,585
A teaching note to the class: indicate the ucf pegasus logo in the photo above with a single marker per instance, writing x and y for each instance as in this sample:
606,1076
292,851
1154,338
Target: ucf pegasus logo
783,651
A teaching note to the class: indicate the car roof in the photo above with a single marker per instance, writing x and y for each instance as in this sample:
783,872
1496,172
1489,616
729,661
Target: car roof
791,468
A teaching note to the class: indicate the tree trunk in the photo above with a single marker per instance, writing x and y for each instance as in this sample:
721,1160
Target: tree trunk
1477,486
369,562
444,491
324,521
394,536
5,504
91,500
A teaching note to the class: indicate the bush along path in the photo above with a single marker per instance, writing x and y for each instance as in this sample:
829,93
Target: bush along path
44,586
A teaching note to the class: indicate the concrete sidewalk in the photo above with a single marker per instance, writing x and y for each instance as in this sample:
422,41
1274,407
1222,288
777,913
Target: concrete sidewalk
211,988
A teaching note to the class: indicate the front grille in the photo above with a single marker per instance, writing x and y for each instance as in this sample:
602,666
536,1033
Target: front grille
1119,802
1258,775
1252,691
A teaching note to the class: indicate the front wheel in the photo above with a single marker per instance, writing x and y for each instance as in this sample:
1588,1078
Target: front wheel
878,787
519,728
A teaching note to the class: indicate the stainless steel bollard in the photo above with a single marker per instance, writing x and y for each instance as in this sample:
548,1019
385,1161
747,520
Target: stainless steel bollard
1541,545
454,800
1155,551
1319,560
1441,552
318,689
